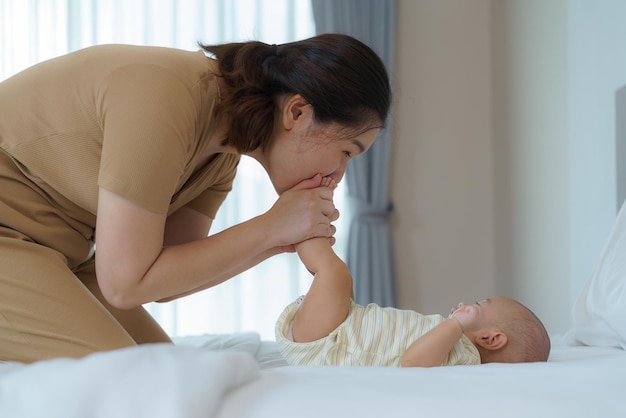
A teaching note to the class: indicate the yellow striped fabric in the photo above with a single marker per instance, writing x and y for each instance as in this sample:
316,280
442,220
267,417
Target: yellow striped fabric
370,336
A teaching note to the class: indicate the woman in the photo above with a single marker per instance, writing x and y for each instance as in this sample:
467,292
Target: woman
133,149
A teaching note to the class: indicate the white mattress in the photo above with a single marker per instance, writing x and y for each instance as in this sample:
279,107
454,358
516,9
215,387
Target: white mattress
239,376
576,382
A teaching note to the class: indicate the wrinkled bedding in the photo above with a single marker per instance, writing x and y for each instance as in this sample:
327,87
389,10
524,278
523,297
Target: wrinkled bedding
240,376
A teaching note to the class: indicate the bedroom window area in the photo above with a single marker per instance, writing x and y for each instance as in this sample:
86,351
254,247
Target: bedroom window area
35,30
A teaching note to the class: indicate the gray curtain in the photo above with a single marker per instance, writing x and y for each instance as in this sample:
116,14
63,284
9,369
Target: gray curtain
370,250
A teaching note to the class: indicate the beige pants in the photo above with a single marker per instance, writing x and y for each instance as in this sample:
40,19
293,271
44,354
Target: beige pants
50,302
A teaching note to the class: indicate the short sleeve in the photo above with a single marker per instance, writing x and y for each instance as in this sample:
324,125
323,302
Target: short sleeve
148,119
463,353
220,177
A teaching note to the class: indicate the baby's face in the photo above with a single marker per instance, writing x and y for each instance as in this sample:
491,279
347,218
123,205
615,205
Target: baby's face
494,308
485,313
472,316
464,306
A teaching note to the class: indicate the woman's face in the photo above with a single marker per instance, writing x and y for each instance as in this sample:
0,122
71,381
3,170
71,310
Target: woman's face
301,148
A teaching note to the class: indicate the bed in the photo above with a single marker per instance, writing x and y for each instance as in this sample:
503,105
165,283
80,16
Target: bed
240,376
577,382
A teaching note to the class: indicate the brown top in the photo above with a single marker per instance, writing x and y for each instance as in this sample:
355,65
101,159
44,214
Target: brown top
131,119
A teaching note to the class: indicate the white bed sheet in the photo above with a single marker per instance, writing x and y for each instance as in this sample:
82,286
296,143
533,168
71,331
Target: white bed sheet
240,376
585,382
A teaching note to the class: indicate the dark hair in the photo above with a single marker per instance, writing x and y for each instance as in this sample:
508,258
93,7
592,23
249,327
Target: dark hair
341,77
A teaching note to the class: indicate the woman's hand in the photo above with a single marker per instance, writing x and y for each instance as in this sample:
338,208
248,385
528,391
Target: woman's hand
302,212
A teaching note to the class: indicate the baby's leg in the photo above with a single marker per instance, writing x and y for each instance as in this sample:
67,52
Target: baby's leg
327,303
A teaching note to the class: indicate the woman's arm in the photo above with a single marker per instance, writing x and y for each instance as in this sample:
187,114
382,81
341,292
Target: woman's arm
225,275
186,225
134,266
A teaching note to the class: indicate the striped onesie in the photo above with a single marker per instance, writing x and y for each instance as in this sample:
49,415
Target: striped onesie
370,336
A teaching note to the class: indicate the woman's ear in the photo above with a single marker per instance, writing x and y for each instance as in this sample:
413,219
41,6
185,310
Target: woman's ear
491,340
296,110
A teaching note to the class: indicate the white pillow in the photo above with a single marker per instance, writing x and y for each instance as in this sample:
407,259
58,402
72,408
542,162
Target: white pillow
599,314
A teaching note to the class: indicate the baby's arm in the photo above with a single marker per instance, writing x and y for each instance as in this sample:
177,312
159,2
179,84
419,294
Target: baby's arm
431,349
327,303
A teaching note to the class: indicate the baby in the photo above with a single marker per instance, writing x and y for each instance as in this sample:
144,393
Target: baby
326,327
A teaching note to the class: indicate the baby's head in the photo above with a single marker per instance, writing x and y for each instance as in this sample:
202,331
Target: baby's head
511,333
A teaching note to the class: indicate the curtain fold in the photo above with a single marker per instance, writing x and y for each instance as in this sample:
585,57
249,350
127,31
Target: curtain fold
370,249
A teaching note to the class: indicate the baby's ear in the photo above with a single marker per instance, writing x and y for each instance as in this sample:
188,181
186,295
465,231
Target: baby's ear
491,340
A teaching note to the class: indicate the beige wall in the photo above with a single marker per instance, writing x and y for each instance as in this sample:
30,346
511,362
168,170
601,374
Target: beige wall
531,155
442,154
479,158
504,153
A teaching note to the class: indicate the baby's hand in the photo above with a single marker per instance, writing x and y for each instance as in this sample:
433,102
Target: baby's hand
470,317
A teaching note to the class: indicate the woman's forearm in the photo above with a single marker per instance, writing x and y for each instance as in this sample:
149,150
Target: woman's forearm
187,268
226,275
142,256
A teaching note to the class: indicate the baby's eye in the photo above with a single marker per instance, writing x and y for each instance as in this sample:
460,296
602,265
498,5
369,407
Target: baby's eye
347,154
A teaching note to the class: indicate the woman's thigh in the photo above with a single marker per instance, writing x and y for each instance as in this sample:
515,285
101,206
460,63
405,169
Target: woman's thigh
46,311
137,321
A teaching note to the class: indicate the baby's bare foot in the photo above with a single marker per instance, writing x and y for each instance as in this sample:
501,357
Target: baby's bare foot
328,182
